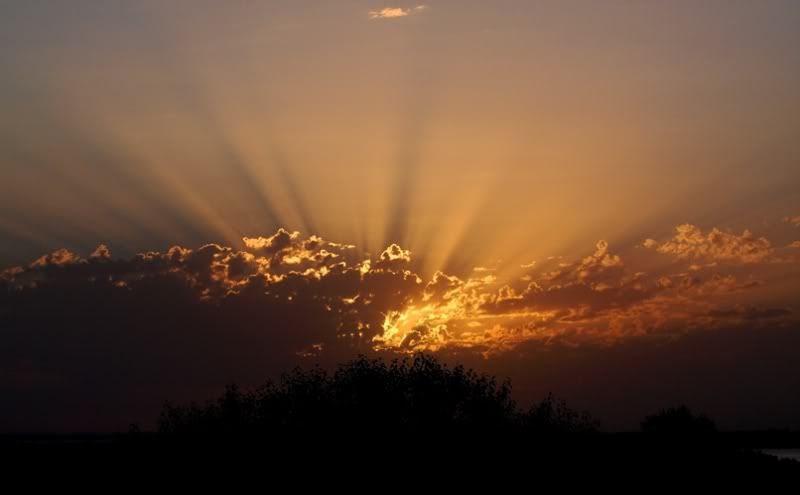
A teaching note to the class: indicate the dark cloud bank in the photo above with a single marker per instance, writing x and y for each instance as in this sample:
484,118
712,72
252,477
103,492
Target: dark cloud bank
94,343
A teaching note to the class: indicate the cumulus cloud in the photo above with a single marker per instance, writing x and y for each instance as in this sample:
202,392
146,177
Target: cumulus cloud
101,252
59,257
596,282
393,257
301,292
275,243
599,300
276,275
396,12
691,243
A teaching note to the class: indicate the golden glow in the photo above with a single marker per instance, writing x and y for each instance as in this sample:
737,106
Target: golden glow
417,329
431,328
466,148
458,135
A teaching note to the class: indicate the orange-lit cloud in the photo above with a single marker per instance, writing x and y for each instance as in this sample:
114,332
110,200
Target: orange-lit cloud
395,12
330,299
689,242
59,257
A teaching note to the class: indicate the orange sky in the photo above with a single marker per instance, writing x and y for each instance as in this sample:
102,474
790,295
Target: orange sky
540,126
479,137
560,173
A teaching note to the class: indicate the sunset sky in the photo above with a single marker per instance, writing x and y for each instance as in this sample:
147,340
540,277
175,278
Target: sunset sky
595,198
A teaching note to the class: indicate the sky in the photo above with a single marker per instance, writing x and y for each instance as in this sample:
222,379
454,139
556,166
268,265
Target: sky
595,198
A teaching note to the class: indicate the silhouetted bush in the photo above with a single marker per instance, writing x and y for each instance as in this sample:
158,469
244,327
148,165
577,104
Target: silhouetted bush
372,397
678,420
553,416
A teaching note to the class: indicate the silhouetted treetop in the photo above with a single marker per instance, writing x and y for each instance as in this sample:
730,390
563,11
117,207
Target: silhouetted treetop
678,420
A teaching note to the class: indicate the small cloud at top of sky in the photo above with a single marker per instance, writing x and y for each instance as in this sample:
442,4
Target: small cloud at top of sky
395,12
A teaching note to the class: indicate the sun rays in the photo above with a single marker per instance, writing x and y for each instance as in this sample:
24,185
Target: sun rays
229,126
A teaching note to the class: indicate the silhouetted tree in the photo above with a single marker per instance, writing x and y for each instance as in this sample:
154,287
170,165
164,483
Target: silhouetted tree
677,420
553,416
370,396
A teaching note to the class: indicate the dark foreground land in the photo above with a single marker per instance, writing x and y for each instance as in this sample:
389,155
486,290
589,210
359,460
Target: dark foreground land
414,415
570,459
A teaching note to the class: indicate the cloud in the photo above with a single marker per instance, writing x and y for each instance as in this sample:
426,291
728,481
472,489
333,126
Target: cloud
749,313
393,257
59,257
101,252
280,240
599,301
313,293
395,12
186,318
690,243
342,297
793,220
598,281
